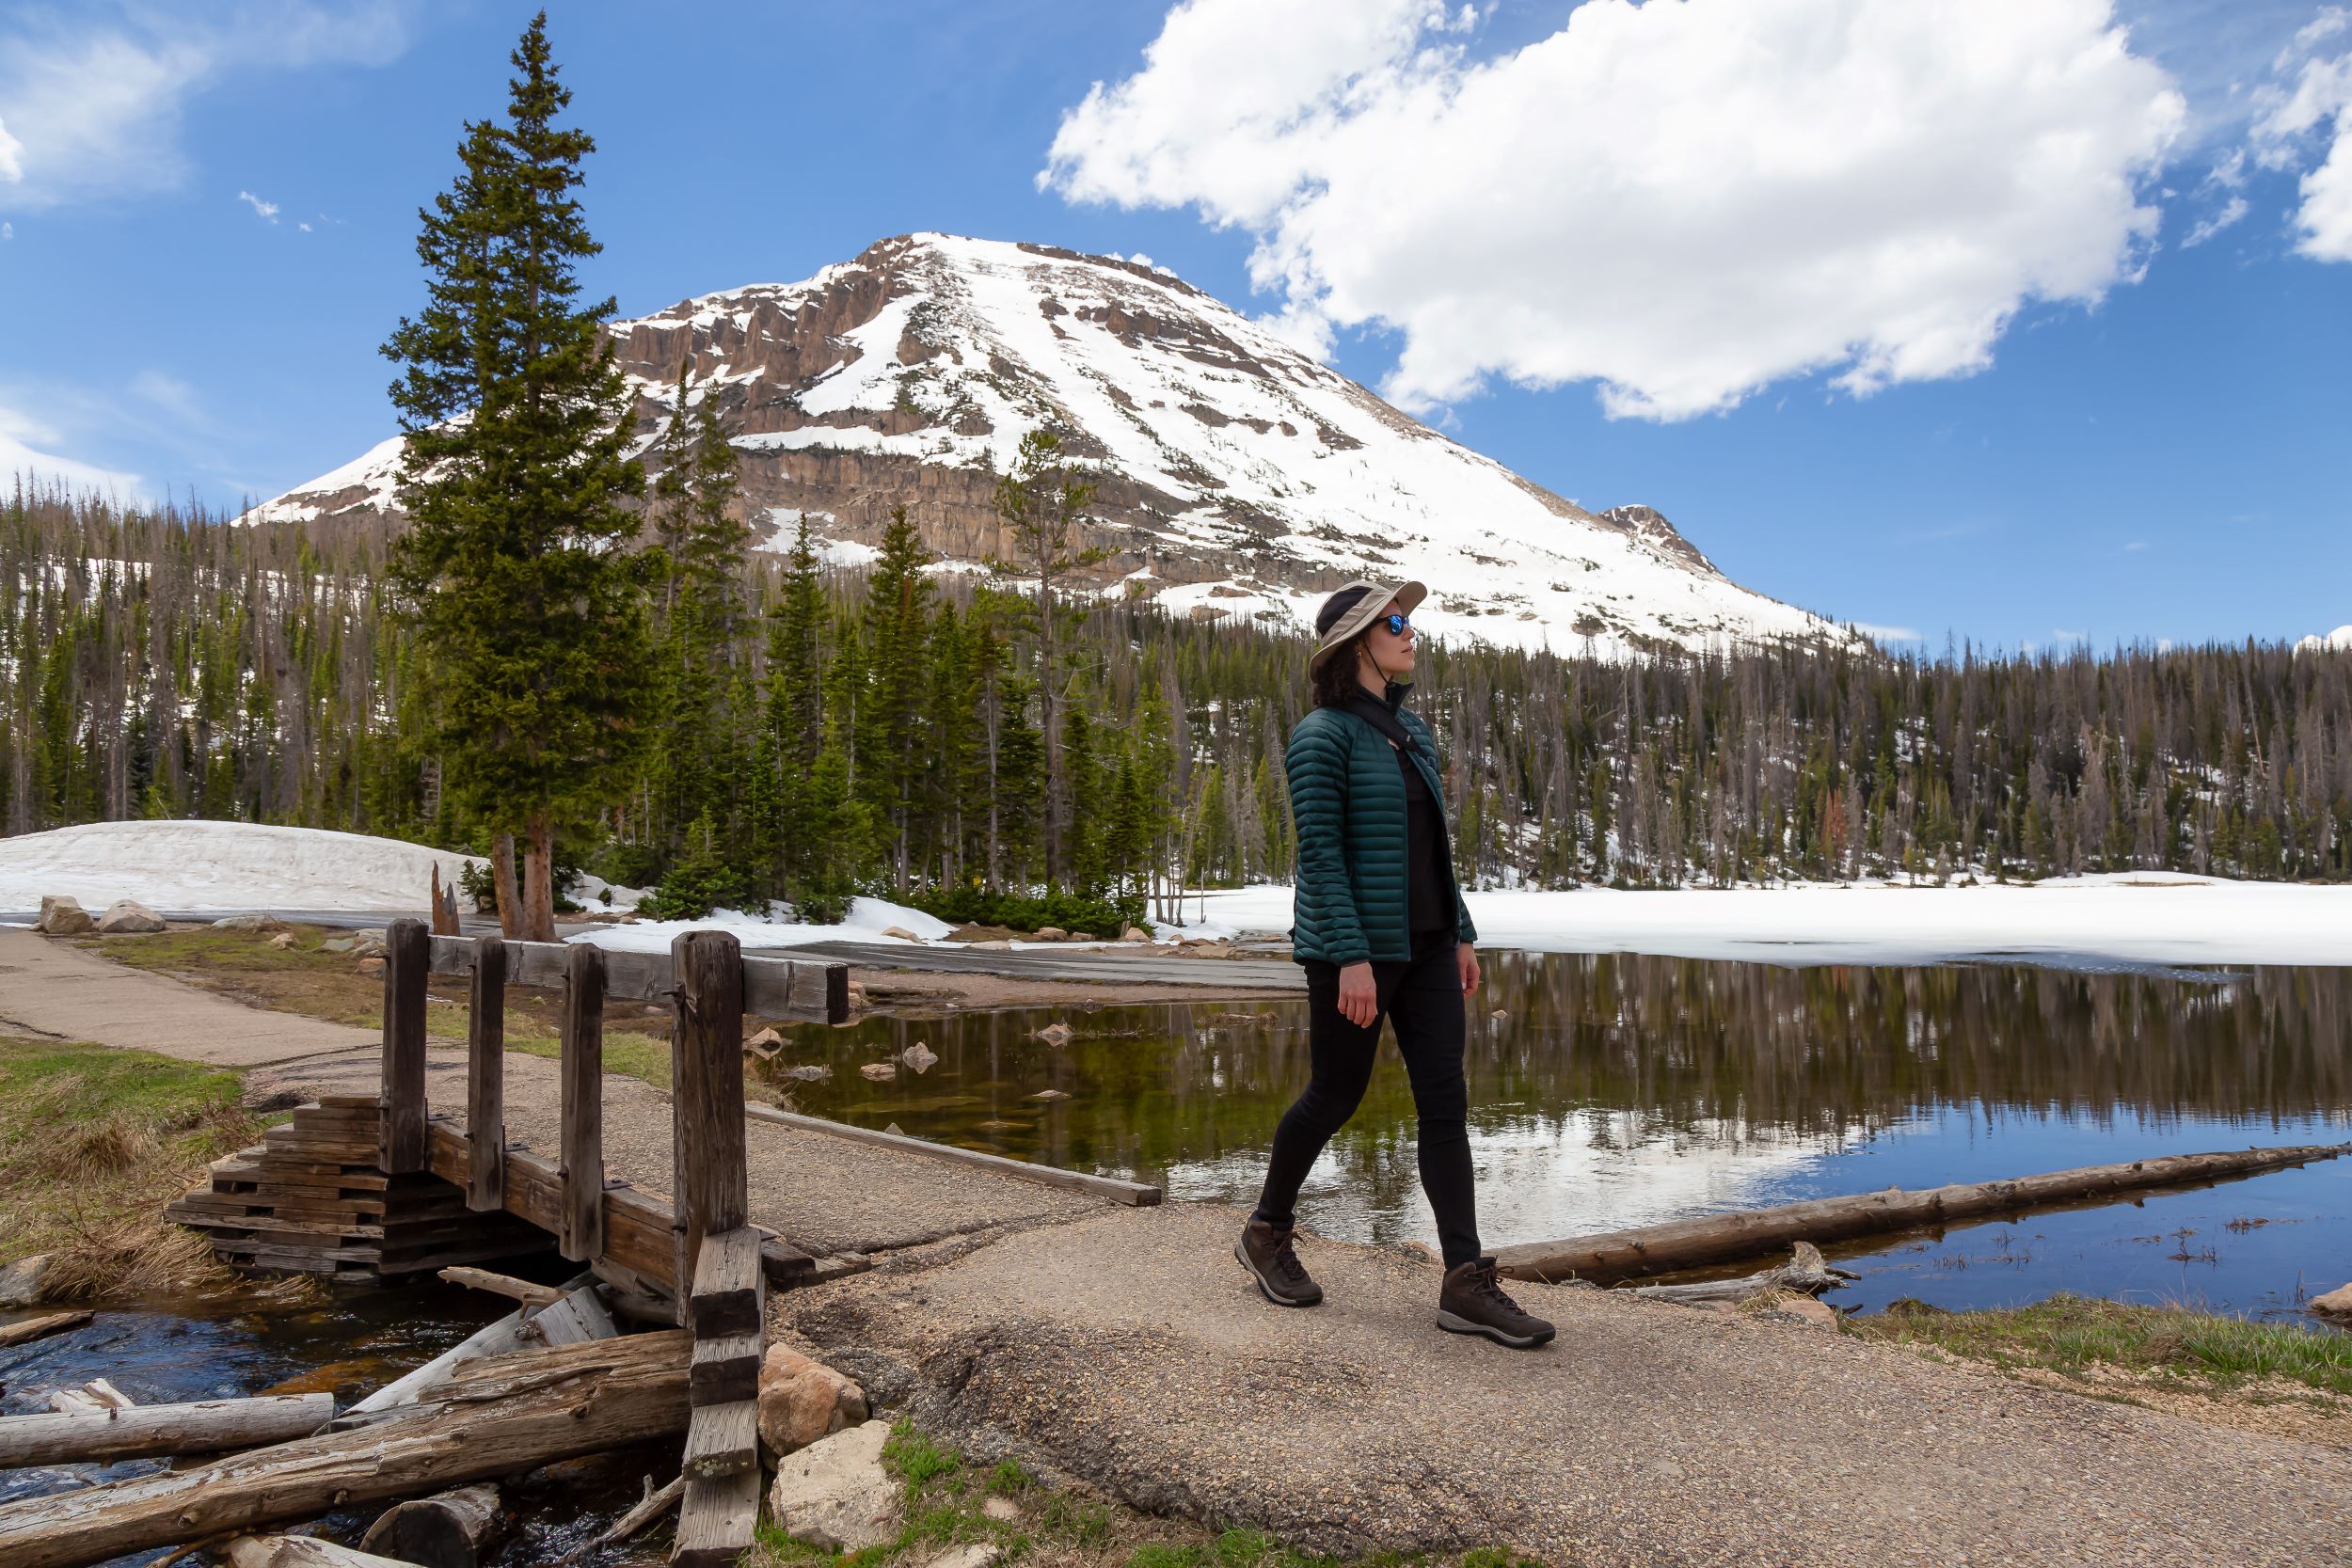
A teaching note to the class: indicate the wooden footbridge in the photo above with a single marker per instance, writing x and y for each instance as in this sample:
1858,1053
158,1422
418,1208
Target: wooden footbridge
374,1189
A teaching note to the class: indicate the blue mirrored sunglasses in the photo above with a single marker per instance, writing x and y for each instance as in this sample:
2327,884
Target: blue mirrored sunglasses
1396,623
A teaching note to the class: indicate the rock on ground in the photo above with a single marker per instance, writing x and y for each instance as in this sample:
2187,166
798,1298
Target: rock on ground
62,916
2336,1302
20,1282
127,916
835,1494
267,924
802,1400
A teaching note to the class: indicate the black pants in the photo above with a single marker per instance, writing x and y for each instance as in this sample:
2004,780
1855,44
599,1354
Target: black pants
1423,1000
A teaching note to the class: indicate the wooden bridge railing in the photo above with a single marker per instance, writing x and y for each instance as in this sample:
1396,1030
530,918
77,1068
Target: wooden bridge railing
700,1249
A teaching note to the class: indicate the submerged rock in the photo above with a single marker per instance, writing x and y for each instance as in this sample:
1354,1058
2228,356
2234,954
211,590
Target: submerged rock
879,1071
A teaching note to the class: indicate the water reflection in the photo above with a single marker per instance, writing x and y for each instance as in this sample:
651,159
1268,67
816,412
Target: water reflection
1612,1090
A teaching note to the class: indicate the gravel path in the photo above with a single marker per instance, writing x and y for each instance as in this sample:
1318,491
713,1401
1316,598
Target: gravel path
1130,1349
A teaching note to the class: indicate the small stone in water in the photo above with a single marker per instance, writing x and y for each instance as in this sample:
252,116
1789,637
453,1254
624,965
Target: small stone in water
879,1071
1050,1094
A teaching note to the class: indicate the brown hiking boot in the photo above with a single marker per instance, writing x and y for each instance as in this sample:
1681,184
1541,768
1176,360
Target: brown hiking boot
1470,1301
1267,1253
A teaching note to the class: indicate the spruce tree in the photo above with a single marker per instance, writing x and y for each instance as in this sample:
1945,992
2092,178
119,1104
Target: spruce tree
514,568
1043,502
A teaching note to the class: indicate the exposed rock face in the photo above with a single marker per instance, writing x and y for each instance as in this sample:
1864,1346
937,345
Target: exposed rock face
836,1494
1237,477
802,1400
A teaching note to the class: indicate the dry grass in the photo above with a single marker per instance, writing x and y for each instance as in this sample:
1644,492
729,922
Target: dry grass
93,1142
244,967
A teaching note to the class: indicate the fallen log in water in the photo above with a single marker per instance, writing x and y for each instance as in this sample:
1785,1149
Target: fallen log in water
102,1434
1807,1272
492,1417
1711,1239
300,1551
26,1329
454,1529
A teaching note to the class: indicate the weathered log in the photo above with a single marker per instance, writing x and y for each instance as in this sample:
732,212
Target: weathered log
1807,1272
299,1551
400,1136
505,1285
574,1318
453,1530
94,1432
485,1078
493,1418
580,1234
1711,1239
108,1395
653,1505
716,1520
26,1329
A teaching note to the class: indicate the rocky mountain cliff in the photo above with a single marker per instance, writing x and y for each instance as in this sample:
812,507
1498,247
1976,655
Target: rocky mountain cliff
1239,477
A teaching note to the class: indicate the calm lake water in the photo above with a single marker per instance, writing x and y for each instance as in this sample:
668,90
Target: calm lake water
1613,1091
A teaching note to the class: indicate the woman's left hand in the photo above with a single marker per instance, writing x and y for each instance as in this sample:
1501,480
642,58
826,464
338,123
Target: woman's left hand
1467,958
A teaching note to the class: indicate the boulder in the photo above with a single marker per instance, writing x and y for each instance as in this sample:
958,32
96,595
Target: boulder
812,1073
1821,1314
1135,933
767,1040
879,1071
1051,933
1082,936
339,945
20,1282
268,925
61,916
128,917
835,1494
1003,1510
919,1057
370,968
900,932
283,942
2336,1302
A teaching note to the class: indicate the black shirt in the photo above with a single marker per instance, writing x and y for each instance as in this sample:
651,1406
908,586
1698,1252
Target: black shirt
1431,904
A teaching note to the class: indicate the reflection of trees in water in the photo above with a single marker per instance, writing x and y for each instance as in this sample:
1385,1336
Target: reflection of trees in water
1624,1050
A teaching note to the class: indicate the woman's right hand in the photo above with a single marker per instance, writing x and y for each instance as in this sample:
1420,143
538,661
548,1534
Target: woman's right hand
1359,998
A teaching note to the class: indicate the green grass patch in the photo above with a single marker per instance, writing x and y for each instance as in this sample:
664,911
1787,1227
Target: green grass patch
626,1054
2073,1335
945,1504
93,1141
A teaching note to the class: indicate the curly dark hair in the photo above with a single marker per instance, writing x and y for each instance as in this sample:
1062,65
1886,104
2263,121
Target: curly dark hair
1337,679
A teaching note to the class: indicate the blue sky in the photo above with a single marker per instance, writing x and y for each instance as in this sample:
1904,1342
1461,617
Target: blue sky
2050,417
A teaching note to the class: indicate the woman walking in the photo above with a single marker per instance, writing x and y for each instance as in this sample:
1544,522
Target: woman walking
1382,932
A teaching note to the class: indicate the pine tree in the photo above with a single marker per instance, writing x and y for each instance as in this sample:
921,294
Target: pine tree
513,568
1043,502
895,756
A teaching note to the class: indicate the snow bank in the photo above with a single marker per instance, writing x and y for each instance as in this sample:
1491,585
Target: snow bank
237,865
221,865
2140,917
868,919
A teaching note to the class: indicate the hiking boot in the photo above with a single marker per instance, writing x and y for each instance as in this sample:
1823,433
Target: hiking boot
1472,1302
1265,1251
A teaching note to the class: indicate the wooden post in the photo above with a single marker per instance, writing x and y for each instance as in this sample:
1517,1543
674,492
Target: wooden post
485,1078
401,1145
707,1097
581,1236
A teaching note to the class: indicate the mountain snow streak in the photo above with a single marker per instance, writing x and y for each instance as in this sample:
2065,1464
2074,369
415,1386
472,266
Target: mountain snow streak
1240,477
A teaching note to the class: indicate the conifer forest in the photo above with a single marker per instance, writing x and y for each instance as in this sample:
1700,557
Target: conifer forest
813,733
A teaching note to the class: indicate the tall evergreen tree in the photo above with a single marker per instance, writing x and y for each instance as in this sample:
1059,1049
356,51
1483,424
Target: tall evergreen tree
514,566
1043,502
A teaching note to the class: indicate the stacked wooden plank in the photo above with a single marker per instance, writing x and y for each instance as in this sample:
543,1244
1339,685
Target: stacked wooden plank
310,1198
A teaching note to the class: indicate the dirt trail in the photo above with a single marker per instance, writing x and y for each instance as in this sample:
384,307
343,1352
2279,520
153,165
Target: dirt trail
1125,1346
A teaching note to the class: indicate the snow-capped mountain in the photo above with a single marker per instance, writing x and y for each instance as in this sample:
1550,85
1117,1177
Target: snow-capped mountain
1238,476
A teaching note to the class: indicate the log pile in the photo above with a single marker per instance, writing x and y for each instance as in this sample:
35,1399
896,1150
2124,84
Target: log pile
309,1198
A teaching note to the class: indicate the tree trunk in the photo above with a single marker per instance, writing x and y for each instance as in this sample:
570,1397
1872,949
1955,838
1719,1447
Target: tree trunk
494,1419
299,1551
1712,1239
540,882
1806,1273
208,1426
502,883
455,1529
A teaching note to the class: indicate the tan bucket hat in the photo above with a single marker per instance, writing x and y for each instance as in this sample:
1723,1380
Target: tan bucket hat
1355,606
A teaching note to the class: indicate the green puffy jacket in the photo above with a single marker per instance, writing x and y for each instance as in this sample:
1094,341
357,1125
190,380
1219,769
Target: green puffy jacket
1347,810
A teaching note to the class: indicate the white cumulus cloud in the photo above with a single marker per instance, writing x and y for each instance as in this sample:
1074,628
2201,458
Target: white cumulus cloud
1682,200
2311,103
91,99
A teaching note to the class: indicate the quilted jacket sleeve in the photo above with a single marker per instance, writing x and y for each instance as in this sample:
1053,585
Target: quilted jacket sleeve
1316,760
